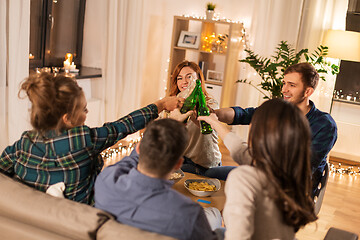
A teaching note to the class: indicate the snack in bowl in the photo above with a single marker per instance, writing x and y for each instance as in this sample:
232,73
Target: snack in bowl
177,175
202,187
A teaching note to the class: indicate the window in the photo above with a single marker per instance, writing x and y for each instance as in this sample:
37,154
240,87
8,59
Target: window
347,86
56,28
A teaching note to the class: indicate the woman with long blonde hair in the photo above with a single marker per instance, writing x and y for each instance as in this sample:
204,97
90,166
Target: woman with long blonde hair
202,155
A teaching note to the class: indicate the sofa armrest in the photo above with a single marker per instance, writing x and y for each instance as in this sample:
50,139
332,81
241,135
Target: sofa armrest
26,206
113,230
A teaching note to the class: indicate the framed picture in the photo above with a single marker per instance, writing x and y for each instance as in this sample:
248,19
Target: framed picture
214,76
189,40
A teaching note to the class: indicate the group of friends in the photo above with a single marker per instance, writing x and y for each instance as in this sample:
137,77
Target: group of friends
268,196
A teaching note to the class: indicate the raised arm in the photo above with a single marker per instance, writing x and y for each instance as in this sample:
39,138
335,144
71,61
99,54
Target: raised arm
213,120
225,115
236,145
235,115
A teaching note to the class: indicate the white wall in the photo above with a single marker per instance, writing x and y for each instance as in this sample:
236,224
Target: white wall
91,54
265,27
347,118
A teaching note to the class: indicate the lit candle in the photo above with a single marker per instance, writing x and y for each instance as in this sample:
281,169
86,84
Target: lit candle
31,56
72,66
67,64
69,56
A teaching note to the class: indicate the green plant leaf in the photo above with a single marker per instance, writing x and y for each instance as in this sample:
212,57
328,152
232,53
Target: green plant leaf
271,70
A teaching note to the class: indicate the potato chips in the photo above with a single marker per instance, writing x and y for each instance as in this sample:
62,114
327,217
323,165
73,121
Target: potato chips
201,186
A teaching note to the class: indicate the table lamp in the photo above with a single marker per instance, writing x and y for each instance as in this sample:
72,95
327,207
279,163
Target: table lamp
344,45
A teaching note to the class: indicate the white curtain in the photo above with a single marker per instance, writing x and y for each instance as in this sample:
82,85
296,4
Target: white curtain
14,68
3,60
272,21
123,49
301,23
319,16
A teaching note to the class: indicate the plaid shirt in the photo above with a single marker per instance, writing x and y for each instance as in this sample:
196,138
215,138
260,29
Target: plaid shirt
73,157
323,135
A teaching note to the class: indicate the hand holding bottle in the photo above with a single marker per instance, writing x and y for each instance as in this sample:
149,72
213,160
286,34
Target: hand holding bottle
203,110
191,100
169,103
219,127
177,115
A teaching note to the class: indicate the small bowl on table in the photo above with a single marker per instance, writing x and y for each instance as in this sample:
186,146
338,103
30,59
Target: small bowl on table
203,193
177,175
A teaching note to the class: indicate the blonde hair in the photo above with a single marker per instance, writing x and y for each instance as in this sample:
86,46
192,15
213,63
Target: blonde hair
52,97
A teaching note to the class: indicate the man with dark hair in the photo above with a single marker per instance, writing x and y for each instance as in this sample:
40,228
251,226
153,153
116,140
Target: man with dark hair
299,83
137,192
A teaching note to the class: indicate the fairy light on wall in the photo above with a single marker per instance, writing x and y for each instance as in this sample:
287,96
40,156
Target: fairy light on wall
121,149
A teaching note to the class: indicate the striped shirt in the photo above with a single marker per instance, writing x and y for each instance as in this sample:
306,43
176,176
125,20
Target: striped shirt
72,157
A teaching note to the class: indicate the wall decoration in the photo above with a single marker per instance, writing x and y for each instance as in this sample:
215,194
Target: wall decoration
214,76
189,40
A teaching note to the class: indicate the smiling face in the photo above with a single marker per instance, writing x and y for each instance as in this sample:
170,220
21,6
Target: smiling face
293,88
185,76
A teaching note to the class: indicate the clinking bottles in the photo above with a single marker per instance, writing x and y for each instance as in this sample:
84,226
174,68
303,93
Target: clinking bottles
191,100
203,110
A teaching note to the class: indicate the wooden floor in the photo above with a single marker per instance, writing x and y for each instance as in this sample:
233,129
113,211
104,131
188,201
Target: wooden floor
340,208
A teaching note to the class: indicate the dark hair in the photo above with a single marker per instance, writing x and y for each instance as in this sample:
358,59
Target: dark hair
174,90
279,143
162,145
51,97
309,75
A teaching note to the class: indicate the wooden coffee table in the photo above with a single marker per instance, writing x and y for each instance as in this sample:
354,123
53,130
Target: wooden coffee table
216,200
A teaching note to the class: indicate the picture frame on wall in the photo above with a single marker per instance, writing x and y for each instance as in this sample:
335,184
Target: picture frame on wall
214,76
189,40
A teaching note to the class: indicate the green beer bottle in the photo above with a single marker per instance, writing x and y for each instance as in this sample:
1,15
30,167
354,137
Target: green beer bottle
203,110
191,100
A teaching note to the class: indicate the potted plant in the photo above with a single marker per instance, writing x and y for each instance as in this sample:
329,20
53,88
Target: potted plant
210,9
271,70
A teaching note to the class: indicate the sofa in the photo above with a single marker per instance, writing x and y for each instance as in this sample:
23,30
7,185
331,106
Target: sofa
26,213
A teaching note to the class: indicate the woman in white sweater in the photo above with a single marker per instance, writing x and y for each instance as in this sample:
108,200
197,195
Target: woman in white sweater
202,155
269,195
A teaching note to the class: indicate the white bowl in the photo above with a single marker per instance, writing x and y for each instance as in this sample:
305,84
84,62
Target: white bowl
212,181
178,179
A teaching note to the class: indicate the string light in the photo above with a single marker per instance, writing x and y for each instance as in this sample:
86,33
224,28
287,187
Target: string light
215,18
349,170
121,149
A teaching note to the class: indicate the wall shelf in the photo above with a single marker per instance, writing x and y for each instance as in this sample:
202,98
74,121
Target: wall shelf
225,62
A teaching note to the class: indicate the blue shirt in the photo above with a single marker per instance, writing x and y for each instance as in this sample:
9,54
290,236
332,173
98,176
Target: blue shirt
323,135
149,203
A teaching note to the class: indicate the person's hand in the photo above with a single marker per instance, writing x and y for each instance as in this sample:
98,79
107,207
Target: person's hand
212,119
225,115
169,103
214,122
177,115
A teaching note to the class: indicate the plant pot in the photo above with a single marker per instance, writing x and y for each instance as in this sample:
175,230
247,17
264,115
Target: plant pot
209,14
